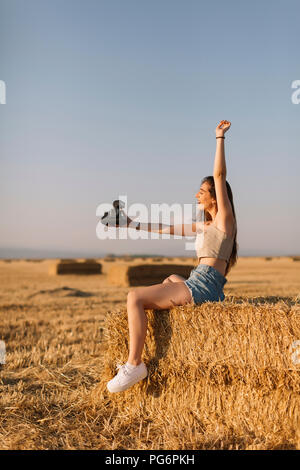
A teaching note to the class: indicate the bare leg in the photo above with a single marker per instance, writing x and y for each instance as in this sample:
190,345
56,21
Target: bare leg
161,297
137,323
158,297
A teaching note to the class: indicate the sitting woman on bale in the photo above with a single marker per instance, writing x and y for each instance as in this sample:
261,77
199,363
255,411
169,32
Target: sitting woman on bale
216,251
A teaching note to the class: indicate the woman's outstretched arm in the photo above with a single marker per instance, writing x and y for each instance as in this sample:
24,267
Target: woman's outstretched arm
184,230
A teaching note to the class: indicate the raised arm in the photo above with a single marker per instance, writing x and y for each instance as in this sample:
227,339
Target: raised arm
224,205
220,164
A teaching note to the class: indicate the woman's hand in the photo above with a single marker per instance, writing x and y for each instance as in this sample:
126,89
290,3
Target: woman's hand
129,220
222,128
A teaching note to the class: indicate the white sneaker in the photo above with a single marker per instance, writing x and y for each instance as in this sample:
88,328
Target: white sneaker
126,377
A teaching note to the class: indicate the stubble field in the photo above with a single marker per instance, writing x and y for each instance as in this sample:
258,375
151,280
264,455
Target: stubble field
63,335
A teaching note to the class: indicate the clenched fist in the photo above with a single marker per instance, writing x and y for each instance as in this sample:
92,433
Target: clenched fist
222,128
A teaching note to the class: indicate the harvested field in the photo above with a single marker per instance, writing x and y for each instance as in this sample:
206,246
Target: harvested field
221,376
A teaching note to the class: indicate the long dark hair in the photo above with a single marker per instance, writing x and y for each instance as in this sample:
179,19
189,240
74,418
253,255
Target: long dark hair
233,257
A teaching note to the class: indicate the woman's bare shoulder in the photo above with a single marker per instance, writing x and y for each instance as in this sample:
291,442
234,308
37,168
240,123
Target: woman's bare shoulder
226,225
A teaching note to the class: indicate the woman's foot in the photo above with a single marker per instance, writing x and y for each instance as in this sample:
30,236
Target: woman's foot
127,376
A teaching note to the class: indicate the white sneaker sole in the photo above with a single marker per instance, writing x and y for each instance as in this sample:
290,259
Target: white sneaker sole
112,388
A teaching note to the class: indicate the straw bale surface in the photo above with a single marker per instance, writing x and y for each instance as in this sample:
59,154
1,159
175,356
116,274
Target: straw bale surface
220,375
125,275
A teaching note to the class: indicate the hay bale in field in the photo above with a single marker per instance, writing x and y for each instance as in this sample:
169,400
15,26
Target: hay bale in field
68,260
75,267
220,374
126,258
223,342
268,258
33,260
296,258
126,275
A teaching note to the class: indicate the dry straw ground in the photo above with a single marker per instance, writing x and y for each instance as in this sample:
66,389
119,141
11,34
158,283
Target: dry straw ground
221,376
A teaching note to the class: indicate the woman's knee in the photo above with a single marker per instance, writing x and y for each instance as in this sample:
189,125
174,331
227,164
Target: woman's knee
133,296
175,278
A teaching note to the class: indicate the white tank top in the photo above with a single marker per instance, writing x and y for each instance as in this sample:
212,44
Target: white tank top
214,243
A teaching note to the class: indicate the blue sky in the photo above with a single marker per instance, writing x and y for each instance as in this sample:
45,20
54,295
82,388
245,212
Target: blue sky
106,98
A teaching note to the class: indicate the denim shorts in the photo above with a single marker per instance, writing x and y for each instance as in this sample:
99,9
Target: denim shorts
206,284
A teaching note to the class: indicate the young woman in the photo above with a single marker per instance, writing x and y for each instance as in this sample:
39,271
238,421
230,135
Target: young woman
216,252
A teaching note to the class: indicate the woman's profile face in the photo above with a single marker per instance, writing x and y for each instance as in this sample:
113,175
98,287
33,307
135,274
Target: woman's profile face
203,196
